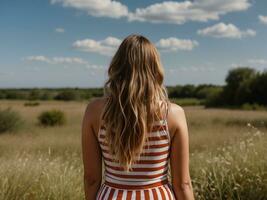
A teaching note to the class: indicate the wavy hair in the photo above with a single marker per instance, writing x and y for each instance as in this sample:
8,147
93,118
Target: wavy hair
134,90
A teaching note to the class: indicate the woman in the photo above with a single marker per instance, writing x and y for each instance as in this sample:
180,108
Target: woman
137,131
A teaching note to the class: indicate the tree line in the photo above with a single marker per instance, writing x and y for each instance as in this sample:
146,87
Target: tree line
244,86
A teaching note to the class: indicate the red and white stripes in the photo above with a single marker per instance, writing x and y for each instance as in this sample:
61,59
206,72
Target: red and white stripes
148,178
162,192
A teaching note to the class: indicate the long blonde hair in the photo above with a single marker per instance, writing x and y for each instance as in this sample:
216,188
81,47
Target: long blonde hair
133,90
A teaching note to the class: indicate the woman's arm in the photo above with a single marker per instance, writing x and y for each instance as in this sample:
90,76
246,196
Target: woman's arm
179,156
91,153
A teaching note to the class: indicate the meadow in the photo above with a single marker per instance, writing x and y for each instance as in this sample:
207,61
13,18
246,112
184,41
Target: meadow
227,153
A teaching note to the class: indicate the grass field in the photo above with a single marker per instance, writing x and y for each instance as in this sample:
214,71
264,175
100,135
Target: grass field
227,154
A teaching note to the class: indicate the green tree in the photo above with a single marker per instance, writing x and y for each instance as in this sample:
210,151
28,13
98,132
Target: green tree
175,92
34,94
67,95
259,88
234,80
188,90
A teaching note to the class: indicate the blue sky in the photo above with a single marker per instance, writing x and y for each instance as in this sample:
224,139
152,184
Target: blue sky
69,43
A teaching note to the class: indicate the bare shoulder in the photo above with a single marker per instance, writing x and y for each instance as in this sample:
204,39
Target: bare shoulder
176,108
95,103
93,111
176,119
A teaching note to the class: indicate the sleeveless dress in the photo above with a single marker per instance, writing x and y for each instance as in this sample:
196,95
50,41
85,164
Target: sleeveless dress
148,180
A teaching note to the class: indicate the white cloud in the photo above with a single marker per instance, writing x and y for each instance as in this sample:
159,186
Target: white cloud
174,44
60,30
97,8
191,69
94,67
235,65
255,63
5,75
109,45
56,60
68,60
258,61
263,19
37,58
165,12
105,47
222,30
181,12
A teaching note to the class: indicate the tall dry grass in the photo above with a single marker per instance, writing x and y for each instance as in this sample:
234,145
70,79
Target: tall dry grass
233,171
227,161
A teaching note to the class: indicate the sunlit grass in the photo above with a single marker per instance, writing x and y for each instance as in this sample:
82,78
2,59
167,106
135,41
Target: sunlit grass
41,176
236,171
228,158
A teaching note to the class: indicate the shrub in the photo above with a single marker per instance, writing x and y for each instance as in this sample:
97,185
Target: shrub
253,106
215,98
34,94
52,118
188,90
9,120
14,94
67,95
2,95
32,103
174,92
46,96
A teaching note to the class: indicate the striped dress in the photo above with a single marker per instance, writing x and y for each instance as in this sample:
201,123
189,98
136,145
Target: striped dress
149,178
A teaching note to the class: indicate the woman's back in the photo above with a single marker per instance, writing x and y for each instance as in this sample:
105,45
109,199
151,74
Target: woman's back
148,178
133,90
